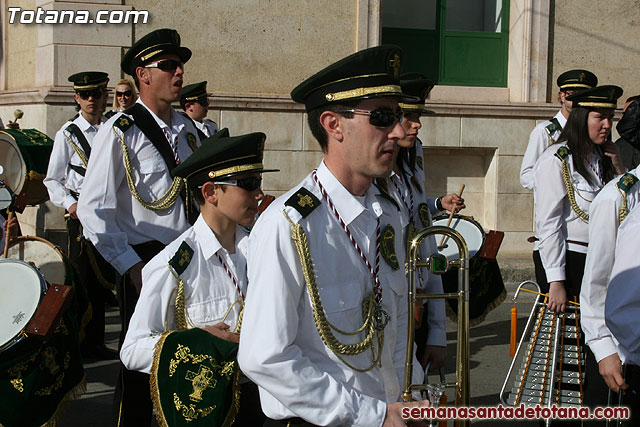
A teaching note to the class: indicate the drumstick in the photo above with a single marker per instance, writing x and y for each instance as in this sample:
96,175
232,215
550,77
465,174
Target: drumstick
5,252
450,217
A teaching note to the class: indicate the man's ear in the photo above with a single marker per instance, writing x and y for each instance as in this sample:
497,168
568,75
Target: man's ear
143,75
210,192
331,123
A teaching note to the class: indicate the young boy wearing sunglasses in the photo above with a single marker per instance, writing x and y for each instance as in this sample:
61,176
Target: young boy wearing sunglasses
64,181
195,103
329,310
224,178
132,206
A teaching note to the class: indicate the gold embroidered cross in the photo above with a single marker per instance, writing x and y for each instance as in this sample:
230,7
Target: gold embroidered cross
124,121
184,257
305,200
627,180
200,381
395,64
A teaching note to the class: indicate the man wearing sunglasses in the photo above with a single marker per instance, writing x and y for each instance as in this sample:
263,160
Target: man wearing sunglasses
324,331
195,103
64,181
132,205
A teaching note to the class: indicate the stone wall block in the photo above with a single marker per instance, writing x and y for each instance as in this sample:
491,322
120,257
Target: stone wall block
283,130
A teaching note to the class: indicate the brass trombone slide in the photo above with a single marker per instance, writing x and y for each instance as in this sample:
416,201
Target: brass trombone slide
438,264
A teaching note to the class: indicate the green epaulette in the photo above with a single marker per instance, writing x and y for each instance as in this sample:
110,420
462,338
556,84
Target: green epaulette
303,201
387,196
627,181
74,117
123,123
180,261
563,152
553,126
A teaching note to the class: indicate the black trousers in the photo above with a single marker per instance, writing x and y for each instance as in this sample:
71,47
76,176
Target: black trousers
132,398
594,388
250,412
79,251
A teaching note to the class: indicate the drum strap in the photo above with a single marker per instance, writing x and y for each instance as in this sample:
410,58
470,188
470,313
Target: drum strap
152,131
75,130
78,169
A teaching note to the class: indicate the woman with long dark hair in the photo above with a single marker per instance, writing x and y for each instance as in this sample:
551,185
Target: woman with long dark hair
567,177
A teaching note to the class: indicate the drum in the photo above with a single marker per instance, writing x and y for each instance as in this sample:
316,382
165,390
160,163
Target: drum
24,158
22,289
42,254
469,228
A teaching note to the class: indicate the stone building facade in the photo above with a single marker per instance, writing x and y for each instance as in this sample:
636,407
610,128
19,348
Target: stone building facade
253,52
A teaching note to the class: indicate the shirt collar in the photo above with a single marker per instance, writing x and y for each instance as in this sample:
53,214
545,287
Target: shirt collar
177,120
208,242
84,125
561,119
347,205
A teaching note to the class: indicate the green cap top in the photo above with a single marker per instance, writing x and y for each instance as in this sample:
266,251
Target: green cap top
154,44
418,85
599,97
577,79
193,91
89,80
370,73
221,157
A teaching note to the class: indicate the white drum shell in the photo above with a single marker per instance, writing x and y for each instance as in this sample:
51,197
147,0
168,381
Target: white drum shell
22,288
471,232
42,254
13,165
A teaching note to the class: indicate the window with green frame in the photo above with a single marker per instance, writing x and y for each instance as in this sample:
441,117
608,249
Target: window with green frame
453,42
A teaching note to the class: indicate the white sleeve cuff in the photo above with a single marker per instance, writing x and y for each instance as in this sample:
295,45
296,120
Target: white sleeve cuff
125,261
555,274
602,347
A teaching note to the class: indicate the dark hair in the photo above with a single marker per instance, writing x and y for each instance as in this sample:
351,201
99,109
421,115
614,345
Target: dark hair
576,136
313,119
183,104
196,194
632,98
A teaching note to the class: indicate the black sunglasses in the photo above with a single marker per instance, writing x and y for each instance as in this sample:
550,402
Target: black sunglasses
85,94
125,93
166,65
204,101
251,183
381,117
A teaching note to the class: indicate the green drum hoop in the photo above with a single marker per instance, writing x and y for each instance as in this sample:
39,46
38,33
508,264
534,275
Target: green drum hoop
24,157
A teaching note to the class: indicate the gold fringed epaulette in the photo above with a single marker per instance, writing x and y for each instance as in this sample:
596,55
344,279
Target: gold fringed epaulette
177,265
181,258
303,201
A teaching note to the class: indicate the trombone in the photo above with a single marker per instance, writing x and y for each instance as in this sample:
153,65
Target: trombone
438,264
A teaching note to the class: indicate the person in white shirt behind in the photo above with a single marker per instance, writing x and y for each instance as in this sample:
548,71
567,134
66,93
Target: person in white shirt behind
194,100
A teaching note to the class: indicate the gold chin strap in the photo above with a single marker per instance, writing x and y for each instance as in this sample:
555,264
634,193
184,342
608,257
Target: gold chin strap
165,201
324,327
568,183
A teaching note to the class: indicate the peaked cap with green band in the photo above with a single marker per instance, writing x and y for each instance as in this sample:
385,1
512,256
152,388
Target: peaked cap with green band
577,79
89,80
369,73
598,97
190,93
418,85
221,157
159,42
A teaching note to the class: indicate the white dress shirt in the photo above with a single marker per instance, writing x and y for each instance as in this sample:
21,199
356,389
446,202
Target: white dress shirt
208,127
112,219
209,292
280,347
603,229
622,307
538,142
61,179
427,281
556,222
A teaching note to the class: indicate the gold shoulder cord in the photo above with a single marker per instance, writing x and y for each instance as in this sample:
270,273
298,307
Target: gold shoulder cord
624,210
165,201
568,183
323,326
77,149
551,141
181,317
